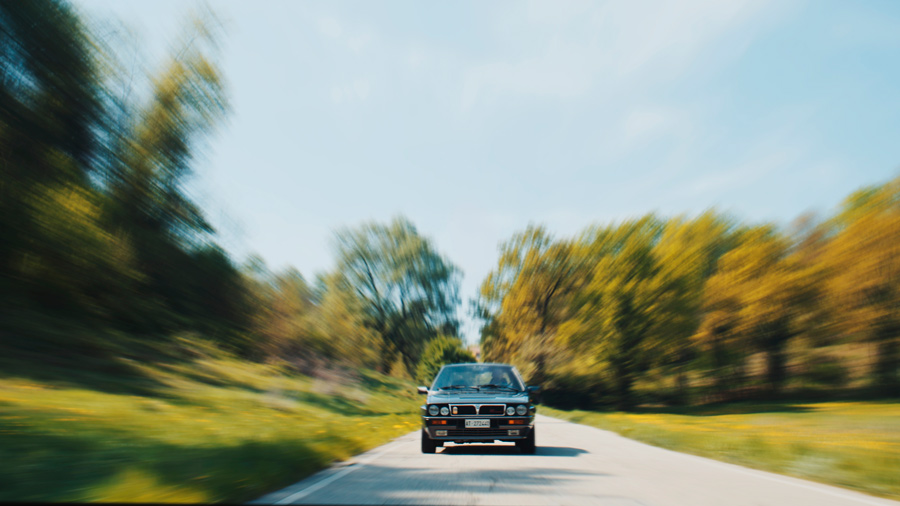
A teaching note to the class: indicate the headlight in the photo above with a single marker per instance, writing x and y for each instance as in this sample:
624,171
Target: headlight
445,411
521,409
510,410
433,410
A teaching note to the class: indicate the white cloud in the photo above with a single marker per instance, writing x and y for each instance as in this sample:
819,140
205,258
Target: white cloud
353,37
560,71
361,87
337,94
416,56
330,27
619,44
667,35
358,90
646,122
744,174
557,12
358,42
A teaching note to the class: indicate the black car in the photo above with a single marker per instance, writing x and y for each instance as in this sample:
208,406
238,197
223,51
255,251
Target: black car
483,403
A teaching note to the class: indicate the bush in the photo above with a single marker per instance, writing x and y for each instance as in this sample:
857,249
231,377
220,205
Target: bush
826,370
440,351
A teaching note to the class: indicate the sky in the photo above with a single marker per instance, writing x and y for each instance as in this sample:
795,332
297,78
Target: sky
476,119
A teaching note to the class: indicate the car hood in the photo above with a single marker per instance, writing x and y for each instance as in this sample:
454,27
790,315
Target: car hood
477,397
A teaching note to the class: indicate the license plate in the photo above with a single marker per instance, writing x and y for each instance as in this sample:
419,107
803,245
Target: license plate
484,424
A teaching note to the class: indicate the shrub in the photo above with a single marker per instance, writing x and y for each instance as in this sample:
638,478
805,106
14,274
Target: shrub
826,370
440,351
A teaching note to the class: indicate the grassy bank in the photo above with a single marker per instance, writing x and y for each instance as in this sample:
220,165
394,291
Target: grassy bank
205,429
850,444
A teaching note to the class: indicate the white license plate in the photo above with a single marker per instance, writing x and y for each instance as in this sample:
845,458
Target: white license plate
485,424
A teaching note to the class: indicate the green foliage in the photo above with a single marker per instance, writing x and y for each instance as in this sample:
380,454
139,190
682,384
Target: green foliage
440,351
826,370
205,429
96,225
407,291
625,306
863,260
698,309
525,299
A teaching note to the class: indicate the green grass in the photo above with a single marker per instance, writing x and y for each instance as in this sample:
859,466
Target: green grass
206,429
849,444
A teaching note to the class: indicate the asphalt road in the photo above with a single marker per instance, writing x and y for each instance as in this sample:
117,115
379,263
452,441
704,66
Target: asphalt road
574,464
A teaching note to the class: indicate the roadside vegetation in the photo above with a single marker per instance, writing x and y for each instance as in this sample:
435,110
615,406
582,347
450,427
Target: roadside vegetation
849,444
140,361
693,310
187,423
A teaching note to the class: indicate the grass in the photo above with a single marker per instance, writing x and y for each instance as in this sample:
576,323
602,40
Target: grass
854,445
206,429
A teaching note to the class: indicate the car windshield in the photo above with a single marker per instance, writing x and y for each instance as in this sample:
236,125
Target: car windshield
478,377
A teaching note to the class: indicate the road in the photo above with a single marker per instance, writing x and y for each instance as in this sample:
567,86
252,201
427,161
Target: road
574,464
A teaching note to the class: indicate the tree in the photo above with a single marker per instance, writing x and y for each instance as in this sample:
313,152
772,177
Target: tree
96,224
282,307
864,285
626,306
687,253
407,291
339,323
146,173
755,301
50,114
440,351
529,293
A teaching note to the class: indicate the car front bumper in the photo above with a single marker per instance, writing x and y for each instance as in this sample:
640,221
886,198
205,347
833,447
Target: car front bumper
443,428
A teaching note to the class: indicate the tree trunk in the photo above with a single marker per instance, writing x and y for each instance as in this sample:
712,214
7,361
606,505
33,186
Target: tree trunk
887,366
775,367
624,381
720,364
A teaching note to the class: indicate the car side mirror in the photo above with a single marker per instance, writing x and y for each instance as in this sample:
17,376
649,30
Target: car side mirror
422,390
534,393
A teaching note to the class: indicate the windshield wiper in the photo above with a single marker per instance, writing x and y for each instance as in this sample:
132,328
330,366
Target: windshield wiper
497,387
455,387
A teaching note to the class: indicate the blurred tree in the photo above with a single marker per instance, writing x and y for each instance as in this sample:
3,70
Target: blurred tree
339,322
524,300
864,286
624,310
50,112
283,302
407,291
756,300
146,178
440,351
95,221
687,253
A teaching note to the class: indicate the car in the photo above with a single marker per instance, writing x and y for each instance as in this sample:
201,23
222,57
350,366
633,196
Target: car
478,403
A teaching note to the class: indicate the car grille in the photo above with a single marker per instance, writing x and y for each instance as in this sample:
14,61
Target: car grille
492,409
464,409
477,432
478,409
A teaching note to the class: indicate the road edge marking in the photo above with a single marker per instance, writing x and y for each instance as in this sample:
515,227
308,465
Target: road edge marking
340,474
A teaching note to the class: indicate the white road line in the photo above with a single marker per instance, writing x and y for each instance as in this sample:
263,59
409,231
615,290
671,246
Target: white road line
336,476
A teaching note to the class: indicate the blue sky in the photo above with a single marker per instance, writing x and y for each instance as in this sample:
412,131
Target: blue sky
474,119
